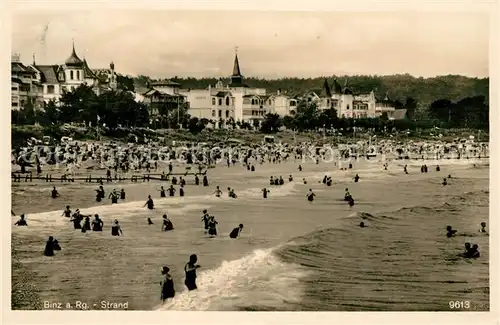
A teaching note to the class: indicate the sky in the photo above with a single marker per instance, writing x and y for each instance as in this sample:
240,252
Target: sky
164,44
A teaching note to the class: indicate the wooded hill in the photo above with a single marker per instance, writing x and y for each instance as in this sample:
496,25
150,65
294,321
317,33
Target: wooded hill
399,87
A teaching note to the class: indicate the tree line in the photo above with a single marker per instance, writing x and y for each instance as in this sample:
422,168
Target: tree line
119,108
399,87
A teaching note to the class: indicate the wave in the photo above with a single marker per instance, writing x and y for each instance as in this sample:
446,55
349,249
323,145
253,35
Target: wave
258,281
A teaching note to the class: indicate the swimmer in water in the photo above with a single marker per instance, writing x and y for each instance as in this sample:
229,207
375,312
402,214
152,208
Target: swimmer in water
231,193
122,194
217,192
56,245
67,212
167,224
162,192
150,222
300,168
97,224
212,226
467,250
171,191
21,222
405,168
347,195
86,224
310,196
190,270
362,224
55,194
205,219
236,232
49,247
116,230
113,196
304,181
474,252
438,168
356,178
167,285
450,232
265,191
290,178
483,227
444,182
181,190
149,203
351,202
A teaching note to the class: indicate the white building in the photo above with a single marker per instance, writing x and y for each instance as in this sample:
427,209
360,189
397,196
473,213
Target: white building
57,79
234,101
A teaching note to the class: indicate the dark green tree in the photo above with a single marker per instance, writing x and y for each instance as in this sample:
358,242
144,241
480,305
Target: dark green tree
271,123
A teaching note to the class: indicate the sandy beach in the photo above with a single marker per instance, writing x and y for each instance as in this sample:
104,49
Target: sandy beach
292,255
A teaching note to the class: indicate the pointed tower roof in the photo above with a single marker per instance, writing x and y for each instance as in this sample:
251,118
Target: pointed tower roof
336,87
347,90
236,77
236,67
325,91
73,59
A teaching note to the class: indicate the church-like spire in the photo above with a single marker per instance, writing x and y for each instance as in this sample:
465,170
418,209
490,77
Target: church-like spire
236,67
236,78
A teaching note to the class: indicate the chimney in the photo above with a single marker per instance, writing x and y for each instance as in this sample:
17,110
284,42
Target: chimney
16,57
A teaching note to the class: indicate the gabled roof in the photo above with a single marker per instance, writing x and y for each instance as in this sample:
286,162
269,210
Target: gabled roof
223,94
49,73
88,72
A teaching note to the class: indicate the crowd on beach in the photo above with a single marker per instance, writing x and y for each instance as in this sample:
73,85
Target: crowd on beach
114,163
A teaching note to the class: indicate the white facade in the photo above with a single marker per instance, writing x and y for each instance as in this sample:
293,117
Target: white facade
57,79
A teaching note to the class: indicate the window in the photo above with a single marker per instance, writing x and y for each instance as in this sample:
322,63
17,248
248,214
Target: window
253,102
78,74
213,103
15,104
61,76
293,104
220,113
50,89
13,88
71,75
220,101
227,101
227,114
213,111
347,106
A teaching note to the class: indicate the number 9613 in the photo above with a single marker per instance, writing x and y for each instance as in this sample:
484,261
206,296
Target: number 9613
459,304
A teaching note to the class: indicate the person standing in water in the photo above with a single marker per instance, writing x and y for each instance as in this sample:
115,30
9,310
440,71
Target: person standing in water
150,203
190,270
67,212
97,224
483,226
21,222
162,192
113,196
310,196
217,192
171,191
122,194
49,247
167,285
116,230
265,191
86,224
212,226
236,231
55,194
181,190
205,219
